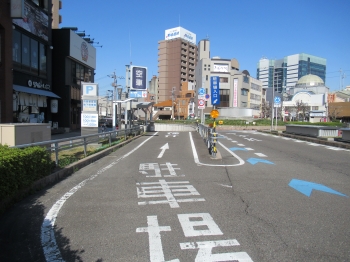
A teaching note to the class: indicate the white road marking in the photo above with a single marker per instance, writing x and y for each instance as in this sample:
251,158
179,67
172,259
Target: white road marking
225,185
191,222
248,148
196,159
165,147
156,253
240,145
169,190
260,154
48,240
205,251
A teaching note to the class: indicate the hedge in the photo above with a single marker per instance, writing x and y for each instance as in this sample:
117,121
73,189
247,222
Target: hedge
19,168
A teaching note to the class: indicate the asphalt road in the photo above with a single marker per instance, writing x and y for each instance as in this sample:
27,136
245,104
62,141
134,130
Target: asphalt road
162,198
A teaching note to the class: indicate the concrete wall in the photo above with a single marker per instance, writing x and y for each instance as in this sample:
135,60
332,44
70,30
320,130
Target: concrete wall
174,127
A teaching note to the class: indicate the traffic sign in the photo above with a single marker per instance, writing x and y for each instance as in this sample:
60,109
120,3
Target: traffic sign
214,113
207,96
215,90
201,104
201,91
277,100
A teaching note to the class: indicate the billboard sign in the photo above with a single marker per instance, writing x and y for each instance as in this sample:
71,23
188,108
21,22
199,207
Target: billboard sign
235,92
137,94
33,19
138,78
215,90
90,89
180,32
89,105
82,50
89,120
17,9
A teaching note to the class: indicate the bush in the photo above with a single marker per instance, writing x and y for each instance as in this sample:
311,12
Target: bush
19,168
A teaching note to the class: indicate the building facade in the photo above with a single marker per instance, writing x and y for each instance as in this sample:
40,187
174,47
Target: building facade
240,94
307,100
75,63
284,73
177,58
28,40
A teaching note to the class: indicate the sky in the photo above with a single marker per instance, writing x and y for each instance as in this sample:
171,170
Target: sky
248,30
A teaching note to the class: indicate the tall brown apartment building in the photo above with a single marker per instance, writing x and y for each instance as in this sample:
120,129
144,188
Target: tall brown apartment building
177,59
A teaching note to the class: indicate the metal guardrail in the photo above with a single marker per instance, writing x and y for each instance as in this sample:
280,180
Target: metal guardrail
210,138
96,140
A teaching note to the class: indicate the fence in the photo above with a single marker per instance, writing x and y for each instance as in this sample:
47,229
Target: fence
209,137
81,145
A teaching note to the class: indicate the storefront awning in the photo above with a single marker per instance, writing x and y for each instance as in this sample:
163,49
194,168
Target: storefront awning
35,91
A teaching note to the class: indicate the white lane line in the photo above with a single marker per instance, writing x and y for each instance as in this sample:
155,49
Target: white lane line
249,149
48,240
240,145
196,159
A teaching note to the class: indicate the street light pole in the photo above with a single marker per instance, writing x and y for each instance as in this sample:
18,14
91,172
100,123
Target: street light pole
114,84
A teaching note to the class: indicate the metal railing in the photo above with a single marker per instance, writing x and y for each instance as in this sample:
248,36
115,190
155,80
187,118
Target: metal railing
81,143
209,137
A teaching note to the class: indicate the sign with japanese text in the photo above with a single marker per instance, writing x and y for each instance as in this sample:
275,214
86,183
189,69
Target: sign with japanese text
215,90
89,120
138,78
235,91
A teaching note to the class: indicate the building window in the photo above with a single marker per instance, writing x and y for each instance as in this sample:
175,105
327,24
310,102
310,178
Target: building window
206,77
223,79
28,54
42,55
244,92
244,104
245,79
34,54
25,51
224,98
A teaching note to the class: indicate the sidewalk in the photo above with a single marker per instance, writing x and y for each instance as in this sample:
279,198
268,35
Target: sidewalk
66,135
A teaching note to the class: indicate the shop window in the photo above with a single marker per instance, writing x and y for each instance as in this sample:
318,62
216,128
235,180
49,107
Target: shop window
42,59
16,47
34,54
25,51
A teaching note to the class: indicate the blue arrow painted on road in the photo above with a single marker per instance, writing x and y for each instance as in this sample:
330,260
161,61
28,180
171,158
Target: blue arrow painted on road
238,148
253,161
306,187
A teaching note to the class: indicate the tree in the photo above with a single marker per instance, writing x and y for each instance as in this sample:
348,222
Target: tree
334,111
265,109
301,109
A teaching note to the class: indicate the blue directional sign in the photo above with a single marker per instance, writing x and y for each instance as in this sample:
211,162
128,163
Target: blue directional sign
201,91
215,90
254,161
306,187
277,100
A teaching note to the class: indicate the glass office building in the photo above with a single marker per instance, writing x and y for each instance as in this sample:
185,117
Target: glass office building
283,74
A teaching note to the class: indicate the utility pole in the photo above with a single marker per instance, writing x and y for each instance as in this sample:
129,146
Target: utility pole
114,84
273,97
172,102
